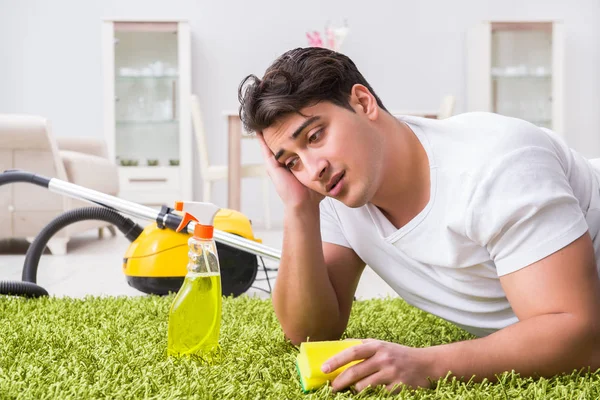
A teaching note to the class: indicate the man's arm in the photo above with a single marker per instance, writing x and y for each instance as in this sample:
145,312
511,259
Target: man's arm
557,301
316,281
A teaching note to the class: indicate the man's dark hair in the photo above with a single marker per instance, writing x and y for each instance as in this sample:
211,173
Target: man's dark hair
299,78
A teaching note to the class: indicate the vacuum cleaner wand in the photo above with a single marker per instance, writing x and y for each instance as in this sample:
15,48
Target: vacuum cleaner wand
136,210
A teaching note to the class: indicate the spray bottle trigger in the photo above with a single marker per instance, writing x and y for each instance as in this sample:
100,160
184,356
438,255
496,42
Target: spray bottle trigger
186,219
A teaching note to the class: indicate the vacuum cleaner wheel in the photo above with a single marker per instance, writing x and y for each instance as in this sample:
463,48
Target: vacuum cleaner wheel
238,269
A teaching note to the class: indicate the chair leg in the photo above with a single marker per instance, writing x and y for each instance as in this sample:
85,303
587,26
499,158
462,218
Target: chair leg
206,191
101,232
112,230
265,188
58,246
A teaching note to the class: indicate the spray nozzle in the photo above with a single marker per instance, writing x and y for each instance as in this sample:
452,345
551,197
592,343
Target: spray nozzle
202,213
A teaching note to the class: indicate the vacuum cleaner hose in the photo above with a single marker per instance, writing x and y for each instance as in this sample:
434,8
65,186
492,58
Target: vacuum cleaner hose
28,287
22,176
24,289
130,229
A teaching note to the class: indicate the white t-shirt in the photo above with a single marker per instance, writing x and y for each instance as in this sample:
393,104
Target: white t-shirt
504,194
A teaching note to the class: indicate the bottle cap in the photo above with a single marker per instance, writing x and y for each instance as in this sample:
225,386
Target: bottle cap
203,231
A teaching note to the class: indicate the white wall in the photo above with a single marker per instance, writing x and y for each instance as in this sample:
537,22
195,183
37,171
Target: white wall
412,52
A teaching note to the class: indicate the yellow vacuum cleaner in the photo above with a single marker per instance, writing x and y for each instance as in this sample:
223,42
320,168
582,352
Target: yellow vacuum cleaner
156,260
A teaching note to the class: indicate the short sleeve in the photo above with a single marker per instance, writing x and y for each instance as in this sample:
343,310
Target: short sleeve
331,228
523,208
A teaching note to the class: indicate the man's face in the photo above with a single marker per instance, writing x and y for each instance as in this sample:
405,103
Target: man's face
330,150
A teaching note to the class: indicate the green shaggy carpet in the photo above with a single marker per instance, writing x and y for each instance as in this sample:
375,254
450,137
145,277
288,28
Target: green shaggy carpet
115,348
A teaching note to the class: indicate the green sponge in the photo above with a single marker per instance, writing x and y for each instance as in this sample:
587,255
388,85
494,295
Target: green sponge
312,356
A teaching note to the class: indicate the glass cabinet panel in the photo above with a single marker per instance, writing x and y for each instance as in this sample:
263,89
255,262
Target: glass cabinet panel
521,72
146,92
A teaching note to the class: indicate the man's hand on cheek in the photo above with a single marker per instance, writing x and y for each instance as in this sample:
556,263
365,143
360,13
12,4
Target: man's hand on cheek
384,363
291,191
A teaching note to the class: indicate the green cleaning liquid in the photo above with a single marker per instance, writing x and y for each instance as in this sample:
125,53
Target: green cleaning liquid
195,315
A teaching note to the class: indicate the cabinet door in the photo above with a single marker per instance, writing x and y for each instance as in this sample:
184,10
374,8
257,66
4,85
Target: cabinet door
479,60
147,89
147,109
522,71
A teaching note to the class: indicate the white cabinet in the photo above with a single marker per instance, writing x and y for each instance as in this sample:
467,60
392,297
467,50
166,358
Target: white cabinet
147,89
517,69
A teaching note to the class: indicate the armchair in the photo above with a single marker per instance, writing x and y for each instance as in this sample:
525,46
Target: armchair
27,143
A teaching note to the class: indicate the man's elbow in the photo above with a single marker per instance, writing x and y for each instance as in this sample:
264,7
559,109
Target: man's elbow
297,335
587,329
591,335
586,339
300,328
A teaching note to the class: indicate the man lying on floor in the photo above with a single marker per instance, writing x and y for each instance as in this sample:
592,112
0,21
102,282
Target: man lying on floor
487,221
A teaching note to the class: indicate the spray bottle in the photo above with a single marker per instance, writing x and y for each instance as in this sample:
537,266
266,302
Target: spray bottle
195,314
